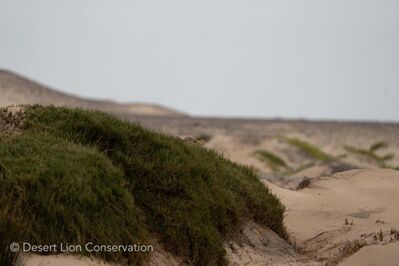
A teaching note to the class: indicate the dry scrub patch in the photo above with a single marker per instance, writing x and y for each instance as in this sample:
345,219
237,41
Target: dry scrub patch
11,119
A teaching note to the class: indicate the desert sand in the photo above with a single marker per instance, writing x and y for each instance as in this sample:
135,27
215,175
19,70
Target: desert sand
375,256
334,214
59,260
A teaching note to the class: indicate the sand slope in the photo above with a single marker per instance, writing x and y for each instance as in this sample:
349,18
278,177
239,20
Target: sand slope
255,246
356,206
58,260
387,255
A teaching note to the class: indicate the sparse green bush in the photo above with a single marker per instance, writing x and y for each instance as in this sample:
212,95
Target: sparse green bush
272,160
371,154
308,149
378,145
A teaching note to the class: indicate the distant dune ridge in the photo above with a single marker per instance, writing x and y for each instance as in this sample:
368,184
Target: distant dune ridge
15,90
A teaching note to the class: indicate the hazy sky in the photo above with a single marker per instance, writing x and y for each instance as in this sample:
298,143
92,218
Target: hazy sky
268,58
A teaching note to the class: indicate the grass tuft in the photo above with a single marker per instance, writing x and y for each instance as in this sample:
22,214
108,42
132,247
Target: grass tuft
308,149
273,161
371,154
378,145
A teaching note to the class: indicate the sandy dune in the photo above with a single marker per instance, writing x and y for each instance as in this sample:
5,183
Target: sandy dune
255,246
341,211
58,260
15,90
375,256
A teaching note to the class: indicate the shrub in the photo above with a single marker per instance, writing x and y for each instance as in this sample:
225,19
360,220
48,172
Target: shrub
188,196
308,149
272,160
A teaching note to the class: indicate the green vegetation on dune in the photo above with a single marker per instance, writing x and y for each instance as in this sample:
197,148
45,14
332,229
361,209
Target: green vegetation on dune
77,176
54,191
308,149
371,153
378,146
272,160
